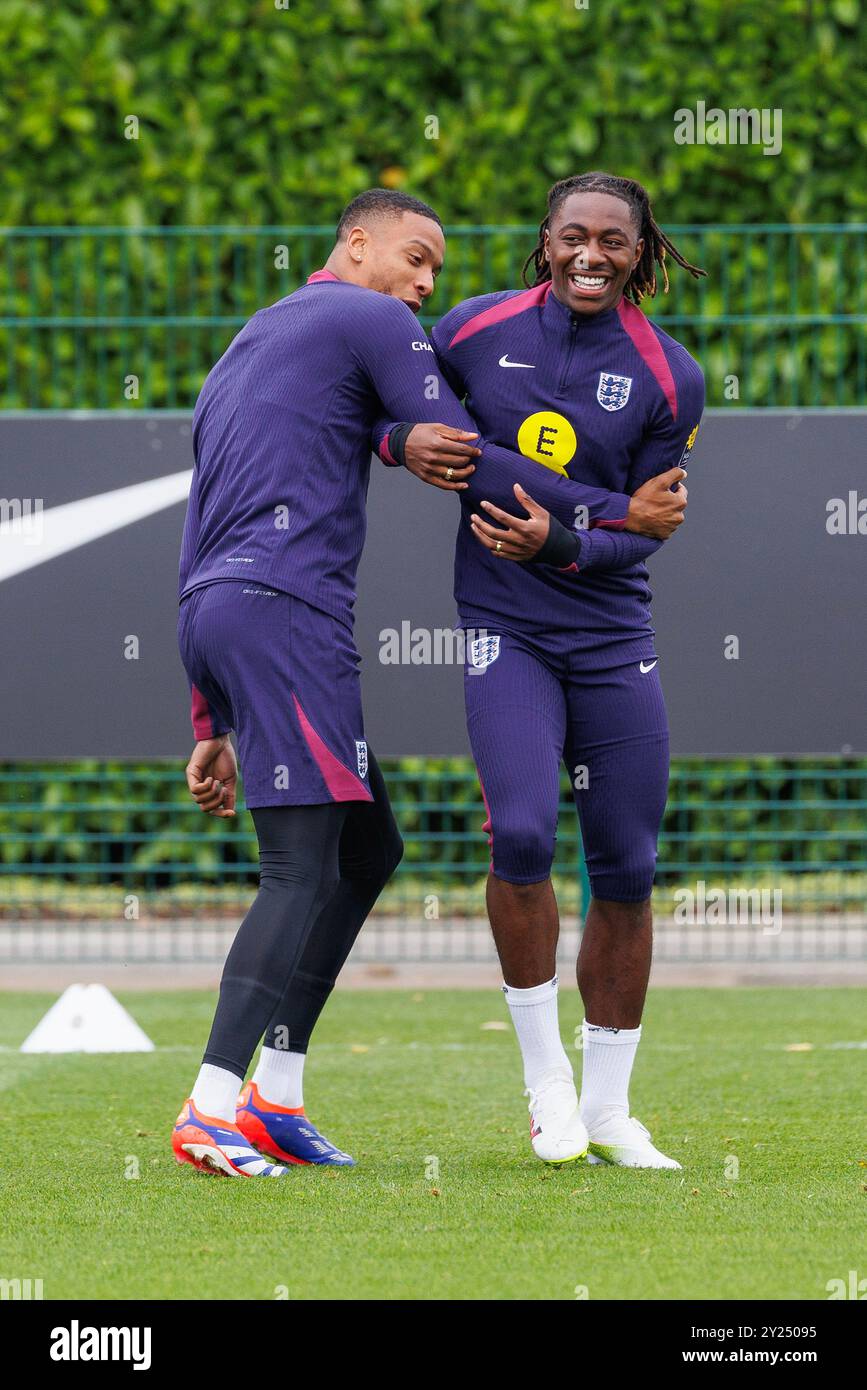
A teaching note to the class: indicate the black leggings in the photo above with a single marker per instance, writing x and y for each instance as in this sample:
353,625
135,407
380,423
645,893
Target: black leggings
321,870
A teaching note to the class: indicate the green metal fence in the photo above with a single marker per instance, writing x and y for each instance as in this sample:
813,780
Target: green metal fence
120,317
113,862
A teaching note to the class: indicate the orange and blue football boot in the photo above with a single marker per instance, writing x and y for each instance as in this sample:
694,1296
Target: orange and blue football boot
218,1147
284,1134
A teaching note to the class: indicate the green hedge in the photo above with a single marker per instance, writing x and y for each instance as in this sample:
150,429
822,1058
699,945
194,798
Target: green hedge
253,114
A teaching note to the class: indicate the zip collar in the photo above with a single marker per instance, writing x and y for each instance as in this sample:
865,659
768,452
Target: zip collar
557,313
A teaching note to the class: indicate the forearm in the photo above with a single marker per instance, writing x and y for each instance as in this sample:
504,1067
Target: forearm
576,505
596,549
496,471
604,549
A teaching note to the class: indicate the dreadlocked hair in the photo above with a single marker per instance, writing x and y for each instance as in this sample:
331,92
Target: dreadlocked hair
657,246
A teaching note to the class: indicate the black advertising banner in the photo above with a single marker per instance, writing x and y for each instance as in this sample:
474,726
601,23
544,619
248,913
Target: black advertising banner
758,599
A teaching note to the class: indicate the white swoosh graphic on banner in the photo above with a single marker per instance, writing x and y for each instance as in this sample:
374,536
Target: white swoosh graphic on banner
40,537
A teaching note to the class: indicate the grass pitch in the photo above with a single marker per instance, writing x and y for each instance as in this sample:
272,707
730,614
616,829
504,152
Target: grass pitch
757,1092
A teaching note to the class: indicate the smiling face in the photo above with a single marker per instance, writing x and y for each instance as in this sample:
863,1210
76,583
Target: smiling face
592,245
400,256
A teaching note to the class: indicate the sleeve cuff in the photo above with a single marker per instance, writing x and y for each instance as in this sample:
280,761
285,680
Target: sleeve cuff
561,548
392,450
386,455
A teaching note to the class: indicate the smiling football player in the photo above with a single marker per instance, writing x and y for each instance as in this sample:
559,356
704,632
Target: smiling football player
572,373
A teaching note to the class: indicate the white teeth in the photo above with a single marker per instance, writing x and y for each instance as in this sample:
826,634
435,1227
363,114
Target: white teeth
588,282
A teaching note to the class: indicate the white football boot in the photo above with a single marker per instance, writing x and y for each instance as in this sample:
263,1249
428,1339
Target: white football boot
557,1132
622,1140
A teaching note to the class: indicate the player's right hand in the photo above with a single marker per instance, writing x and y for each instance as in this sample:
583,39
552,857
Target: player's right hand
656,511
440,455
212,773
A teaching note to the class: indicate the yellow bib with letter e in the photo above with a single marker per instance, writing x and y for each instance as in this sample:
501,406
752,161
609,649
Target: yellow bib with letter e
549,439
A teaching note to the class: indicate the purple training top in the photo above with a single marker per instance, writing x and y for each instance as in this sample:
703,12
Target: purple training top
281,437
608,400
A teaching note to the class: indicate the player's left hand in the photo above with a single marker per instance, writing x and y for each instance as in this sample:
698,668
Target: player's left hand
441,456
513,538
212,774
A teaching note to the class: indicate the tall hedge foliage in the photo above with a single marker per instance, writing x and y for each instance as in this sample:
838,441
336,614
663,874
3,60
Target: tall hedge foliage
250,113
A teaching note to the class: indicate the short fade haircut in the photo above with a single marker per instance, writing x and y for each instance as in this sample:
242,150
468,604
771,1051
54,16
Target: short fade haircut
380,202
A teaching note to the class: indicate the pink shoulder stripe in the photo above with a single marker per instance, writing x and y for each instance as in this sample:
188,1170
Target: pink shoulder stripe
319,275
506,309
342,784
650,349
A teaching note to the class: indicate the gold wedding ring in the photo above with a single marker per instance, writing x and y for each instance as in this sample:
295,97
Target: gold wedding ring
450,472
498,547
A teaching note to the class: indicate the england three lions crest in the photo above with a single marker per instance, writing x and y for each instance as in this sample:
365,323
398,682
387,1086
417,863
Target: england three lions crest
612,393
484,650
361,756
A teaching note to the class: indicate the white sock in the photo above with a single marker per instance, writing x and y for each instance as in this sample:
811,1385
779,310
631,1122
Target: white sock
608,1057
279,1076
534,1014
215,1092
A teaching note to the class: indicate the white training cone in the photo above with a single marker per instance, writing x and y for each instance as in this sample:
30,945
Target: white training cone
87,1018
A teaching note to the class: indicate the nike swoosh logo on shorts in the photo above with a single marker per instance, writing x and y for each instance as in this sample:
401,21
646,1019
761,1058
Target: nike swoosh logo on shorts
504,362
644,669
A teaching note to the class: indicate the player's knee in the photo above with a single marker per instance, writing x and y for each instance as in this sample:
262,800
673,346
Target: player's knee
393,854
522,851
373,863
623,877
284,872
390,855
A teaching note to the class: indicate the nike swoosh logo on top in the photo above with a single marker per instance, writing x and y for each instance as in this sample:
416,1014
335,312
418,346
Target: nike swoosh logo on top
78,523
644,669
504,362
